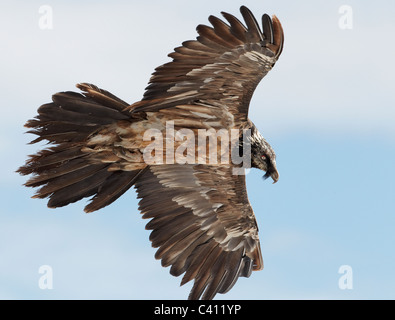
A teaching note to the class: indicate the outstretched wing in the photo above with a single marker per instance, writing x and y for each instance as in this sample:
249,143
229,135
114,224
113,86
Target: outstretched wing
220,69
202,223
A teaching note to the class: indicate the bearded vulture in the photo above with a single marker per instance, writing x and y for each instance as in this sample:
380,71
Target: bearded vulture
201,220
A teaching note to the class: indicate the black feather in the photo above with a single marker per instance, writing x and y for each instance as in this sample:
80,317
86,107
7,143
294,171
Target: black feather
254,32
267,28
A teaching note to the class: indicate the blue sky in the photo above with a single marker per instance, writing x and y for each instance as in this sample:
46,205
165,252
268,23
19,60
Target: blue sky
327,108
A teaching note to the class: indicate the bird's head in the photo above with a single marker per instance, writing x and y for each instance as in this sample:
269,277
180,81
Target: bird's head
263,156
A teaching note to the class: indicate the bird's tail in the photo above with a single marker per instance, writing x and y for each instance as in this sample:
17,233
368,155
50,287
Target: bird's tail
64,171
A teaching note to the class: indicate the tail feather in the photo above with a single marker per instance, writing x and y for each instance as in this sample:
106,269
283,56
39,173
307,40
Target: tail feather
55,172
59,131
48,158
68,179
113,188
76,104
79,190
102,96
65,172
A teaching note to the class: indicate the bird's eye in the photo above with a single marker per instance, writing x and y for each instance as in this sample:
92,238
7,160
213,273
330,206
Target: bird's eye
263,157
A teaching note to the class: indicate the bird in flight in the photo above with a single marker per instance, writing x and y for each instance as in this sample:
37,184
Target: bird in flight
99,146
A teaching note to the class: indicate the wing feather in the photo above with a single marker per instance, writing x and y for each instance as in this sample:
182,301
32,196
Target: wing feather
254,33
223,31
236,27
267,28
221,68
202,224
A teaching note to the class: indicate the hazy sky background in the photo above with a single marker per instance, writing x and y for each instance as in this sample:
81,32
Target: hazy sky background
327,107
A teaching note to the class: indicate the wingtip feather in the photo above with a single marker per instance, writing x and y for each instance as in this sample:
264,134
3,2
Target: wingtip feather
278,35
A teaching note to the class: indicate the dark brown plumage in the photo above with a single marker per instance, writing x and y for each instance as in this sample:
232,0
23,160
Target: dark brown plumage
201,220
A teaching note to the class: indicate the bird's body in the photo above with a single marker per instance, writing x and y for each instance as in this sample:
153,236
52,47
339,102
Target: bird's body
194,194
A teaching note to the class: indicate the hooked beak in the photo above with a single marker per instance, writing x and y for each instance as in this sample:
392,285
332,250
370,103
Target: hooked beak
273,174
